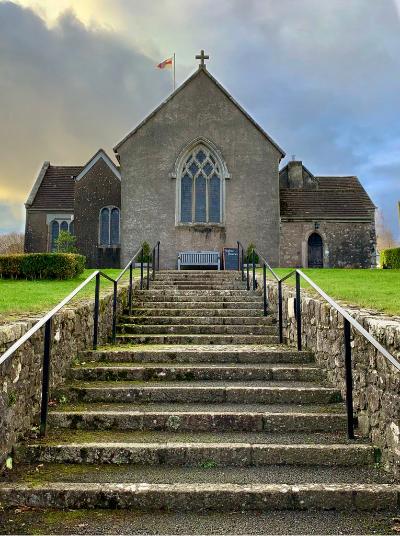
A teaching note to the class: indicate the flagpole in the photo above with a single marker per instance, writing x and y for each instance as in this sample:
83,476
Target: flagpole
174,71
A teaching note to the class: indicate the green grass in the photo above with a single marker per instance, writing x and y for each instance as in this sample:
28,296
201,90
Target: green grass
371,289
28,297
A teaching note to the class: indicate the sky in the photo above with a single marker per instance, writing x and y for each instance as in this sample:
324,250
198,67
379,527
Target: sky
322,77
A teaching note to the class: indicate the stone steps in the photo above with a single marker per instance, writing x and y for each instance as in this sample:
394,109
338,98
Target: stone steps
218,454
197,408
194,372
198,304
206,392
200,417
195,329
199,320
201,497
192,354
190,338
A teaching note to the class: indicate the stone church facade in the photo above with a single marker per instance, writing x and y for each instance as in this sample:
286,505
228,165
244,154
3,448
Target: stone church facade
198,174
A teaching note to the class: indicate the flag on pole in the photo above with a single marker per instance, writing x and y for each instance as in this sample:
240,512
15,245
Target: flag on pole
166,64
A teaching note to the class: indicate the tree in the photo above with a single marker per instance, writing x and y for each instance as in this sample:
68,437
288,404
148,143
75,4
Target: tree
11,243
384,235
65,243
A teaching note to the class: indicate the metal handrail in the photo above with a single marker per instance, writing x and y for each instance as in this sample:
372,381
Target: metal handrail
348,322
46,320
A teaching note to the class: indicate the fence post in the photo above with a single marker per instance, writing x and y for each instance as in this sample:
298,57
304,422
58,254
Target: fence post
248,276
280,319
96,312
254,270
153,263
114,320
141,269
265,289
298,311
130,289
349,379
148,272
44,406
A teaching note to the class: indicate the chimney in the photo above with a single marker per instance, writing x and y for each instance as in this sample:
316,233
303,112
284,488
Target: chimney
295,174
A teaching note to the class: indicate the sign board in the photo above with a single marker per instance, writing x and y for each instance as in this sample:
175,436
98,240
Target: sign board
231,258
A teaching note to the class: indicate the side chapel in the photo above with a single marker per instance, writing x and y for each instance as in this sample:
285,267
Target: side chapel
199,174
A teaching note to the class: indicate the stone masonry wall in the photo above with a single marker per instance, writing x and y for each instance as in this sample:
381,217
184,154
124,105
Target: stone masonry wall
345,244
20,375
376,381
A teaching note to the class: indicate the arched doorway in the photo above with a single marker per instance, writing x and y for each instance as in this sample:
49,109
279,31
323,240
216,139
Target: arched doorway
315,251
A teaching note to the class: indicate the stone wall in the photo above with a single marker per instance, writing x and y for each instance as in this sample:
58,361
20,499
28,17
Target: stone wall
20,388
376,381
345,244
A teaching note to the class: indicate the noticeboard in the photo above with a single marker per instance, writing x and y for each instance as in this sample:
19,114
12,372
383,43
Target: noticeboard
231,258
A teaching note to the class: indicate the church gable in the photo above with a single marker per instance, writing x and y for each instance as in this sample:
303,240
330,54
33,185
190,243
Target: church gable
201,78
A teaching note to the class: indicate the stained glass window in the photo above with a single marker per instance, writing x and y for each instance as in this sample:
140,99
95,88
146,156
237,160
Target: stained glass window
200,188
186,199
64,226
214,199
109,226
200,201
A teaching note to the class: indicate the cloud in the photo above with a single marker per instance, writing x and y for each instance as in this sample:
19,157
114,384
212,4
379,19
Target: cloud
319,76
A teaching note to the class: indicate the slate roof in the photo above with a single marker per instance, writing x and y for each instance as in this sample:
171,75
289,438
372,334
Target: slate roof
335,198
57,188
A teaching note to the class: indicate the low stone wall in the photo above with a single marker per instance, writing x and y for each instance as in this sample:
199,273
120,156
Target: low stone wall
376,381
20,375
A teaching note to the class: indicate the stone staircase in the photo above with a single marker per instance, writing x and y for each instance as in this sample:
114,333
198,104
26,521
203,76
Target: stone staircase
198,408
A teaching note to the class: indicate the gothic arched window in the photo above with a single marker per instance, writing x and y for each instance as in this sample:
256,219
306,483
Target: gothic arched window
201,187
109,226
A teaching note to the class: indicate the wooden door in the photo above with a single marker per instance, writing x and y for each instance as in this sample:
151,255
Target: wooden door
315,251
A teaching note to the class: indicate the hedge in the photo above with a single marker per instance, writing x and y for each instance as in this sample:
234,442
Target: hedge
41,266
390,258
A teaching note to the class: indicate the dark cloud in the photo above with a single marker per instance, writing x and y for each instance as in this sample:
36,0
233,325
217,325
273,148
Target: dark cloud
319,76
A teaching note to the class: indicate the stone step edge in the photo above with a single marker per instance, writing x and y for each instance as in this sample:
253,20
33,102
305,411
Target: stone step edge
199,496
194,387
180,453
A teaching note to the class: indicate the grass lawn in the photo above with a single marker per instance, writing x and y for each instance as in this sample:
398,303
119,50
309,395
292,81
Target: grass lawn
26,297
372,289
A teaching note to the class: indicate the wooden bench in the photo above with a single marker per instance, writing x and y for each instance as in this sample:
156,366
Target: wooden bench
199,258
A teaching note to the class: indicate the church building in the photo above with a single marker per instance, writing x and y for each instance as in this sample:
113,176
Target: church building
199,174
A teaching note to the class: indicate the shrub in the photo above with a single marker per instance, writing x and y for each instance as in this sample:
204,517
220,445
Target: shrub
146,253
390,258
41,266
65,243
249,256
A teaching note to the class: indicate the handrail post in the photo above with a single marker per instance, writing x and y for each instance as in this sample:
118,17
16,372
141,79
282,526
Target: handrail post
45,377
153,263
254,270
158,256
280,312
130,289
141,269
243,276
114,319
96,312
248,275
238,250
349,379
298,311
265,289
148,272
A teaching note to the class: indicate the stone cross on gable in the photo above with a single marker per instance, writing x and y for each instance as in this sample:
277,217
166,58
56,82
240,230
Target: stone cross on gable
202,57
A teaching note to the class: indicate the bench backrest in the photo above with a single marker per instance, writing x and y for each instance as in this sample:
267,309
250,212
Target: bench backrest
199,258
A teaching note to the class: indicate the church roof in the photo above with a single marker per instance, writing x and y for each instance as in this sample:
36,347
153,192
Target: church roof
180,88
54,187
336,198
